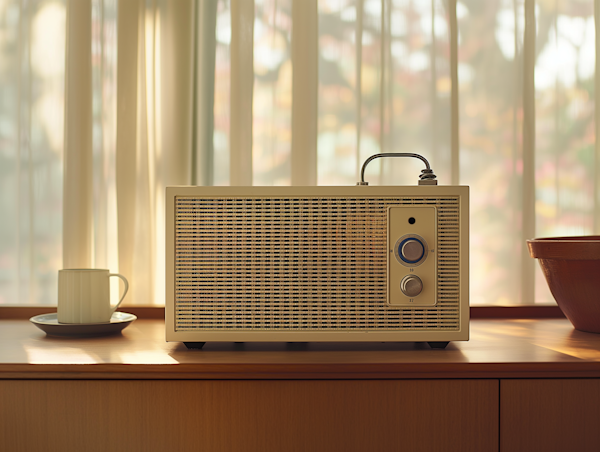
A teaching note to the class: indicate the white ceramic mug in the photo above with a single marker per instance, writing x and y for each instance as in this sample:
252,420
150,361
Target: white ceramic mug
84,295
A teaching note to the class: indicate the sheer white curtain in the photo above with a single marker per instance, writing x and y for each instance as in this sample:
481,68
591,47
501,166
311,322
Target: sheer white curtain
113,211
32,62
89,191
497,95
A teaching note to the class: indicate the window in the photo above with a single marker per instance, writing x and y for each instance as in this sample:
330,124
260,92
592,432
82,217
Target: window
499,96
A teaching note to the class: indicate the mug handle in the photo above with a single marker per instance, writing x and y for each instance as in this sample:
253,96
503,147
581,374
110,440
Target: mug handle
126,288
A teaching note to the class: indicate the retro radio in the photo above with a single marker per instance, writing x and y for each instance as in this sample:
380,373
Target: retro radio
304,264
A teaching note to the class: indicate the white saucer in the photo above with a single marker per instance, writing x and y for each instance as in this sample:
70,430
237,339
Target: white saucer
49,324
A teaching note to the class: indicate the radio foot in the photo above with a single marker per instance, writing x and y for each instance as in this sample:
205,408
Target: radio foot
438,345
194,345
296,345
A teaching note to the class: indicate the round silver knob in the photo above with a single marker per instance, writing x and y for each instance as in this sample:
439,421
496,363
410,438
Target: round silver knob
412,250
411,285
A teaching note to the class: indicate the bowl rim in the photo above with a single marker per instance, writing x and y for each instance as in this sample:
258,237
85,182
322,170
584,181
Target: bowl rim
568,247
582,238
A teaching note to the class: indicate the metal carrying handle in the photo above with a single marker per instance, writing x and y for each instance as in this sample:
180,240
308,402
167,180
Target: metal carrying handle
427,176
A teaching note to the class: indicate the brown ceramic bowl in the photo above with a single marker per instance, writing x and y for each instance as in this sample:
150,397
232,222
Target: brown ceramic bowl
571,266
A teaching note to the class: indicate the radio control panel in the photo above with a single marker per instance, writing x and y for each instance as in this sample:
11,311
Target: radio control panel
412,262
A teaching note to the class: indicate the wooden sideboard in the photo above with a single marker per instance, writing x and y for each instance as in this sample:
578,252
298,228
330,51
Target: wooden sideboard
517,385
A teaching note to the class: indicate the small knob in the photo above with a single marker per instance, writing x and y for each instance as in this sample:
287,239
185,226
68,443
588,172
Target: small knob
411,285
412,250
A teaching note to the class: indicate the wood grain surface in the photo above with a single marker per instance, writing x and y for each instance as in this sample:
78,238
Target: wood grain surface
518,384
550,415
260,416
526,348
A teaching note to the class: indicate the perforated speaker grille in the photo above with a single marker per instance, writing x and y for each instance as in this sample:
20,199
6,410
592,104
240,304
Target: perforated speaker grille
281,264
